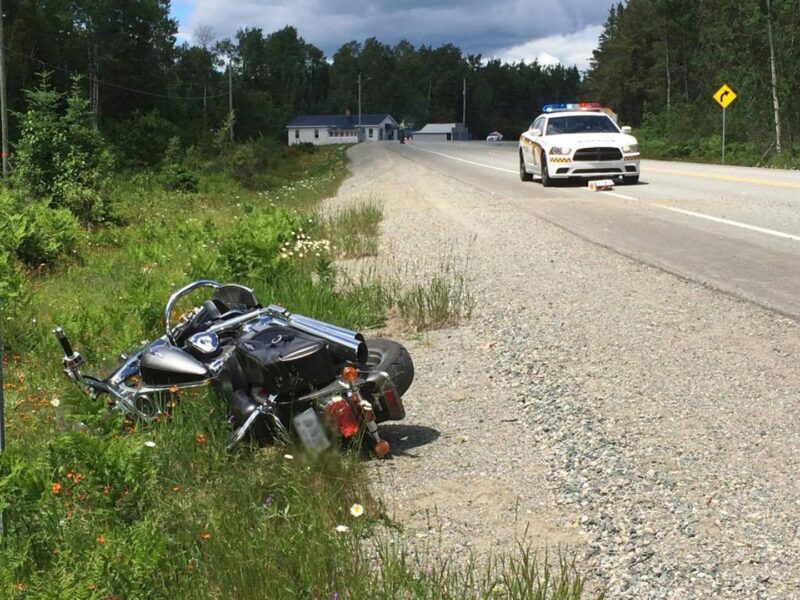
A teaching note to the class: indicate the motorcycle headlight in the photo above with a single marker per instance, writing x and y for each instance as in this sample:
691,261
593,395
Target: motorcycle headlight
559,150
631,149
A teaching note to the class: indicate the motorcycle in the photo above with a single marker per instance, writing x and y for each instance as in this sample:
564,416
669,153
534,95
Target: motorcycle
279,373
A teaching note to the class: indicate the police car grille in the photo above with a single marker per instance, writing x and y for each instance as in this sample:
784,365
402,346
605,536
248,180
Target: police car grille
597,154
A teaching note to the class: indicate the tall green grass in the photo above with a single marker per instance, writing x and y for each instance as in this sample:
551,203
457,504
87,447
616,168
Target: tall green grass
356,229
96,509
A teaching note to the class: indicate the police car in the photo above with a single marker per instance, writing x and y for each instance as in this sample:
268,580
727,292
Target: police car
577,141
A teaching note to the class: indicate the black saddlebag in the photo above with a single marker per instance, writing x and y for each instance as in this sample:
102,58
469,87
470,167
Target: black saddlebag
285,361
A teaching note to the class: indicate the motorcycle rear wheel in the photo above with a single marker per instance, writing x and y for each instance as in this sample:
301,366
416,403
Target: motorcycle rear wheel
394,359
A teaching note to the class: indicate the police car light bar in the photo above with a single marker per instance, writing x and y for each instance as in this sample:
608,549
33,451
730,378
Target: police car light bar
548,108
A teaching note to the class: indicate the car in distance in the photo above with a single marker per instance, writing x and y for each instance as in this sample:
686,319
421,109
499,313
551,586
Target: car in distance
577,141
494,136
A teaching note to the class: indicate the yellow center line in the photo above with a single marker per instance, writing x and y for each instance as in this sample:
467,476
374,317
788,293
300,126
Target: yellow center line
736,178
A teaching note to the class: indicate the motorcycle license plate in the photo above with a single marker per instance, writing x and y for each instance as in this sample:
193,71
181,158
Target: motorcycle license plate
311,432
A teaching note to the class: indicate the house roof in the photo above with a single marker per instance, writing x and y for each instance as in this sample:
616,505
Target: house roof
438,128
339,121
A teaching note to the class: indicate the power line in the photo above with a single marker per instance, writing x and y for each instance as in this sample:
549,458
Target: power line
114,85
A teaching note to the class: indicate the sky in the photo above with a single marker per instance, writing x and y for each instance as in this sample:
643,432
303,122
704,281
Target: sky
550,31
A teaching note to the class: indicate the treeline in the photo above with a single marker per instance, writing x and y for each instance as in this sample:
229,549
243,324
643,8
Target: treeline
144,87
659,62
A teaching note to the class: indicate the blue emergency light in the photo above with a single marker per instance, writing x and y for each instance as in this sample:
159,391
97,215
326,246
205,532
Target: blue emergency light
549,108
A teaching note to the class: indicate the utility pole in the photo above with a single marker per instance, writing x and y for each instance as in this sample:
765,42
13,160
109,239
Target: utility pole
359,107
464,109
4,125
230,94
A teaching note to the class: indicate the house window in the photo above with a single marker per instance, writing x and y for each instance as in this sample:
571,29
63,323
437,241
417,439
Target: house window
297,134
370,132
316,134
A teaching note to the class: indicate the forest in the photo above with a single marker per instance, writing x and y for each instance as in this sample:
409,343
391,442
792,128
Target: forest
145,87
659,62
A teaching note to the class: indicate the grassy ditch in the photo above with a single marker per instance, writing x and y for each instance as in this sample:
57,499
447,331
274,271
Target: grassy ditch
96,509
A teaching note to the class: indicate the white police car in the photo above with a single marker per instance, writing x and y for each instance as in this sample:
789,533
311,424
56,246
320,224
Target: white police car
577,141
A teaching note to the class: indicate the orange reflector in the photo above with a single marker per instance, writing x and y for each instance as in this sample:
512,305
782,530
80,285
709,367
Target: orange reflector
349,374
382,448
346,419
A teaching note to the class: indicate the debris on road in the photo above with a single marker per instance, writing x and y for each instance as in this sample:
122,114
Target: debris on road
601,185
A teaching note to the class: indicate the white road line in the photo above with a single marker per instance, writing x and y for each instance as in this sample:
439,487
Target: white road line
690,213
469,162
615,194
780,234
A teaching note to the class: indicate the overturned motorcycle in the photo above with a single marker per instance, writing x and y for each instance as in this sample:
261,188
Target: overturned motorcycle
278,372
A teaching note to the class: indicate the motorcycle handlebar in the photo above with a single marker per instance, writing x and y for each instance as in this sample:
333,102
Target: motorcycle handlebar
177,296
64,341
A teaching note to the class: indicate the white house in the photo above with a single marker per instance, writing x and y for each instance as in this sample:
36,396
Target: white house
442,132
341,129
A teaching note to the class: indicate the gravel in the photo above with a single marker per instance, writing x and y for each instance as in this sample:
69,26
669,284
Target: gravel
646,424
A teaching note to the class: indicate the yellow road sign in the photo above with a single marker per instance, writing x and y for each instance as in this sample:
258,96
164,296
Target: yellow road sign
724,96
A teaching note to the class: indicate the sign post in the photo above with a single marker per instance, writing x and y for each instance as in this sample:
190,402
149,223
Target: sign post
724,96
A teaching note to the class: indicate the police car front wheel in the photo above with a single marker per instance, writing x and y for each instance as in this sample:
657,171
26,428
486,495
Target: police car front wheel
546,181
523,173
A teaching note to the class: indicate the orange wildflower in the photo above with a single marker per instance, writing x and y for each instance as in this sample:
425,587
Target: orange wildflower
200,438
106,489
56,487
205,536
176,488
100,539
20,587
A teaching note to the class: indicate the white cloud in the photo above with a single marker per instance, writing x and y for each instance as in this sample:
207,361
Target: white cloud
500,28
570,49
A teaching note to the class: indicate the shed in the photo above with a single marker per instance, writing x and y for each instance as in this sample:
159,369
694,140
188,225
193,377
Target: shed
442,132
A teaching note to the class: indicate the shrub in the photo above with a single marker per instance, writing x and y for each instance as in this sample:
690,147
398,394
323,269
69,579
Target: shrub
174,173
35,233
249,163
253,246
50,232
142,139
60,157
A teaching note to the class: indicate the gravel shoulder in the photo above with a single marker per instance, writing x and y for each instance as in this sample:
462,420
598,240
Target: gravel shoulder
645,423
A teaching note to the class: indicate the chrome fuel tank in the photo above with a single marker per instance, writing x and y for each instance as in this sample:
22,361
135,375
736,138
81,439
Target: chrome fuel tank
167,365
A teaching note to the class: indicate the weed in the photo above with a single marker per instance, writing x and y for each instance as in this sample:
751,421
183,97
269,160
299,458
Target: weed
356,230
443,300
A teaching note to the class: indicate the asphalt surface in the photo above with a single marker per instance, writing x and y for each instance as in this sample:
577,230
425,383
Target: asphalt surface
736,229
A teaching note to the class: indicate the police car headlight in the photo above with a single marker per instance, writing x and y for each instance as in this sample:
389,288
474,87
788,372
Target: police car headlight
632,149
559,151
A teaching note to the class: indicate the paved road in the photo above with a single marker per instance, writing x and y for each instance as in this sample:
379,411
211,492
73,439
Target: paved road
734,228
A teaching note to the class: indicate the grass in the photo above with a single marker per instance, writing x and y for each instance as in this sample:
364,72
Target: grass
441,300
97,509
356,229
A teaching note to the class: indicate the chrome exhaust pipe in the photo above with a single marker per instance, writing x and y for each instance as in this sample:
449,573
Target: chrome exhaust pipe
349,343
340,331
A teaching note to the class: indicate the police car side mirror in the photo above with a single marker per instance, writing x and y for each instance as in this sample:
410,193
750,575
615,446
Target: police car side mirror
535,132
626,130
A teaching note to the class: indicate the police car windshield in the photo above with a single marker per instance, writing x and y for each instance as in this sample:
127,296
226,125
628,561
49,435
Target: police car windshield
580,124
